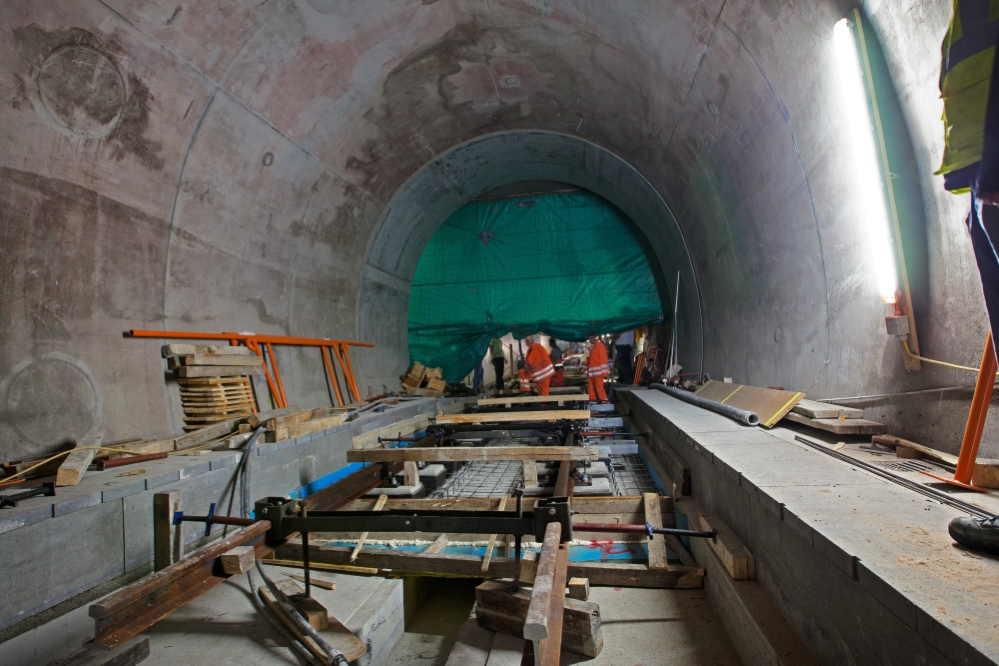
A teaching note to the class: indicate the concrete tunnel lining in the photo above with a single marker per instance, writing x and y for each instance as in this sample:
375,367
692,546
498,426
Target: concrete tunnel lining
426,200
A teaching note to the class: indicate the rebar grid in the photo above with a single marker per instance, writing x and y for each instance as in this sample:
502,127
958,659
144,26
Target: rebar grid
629,476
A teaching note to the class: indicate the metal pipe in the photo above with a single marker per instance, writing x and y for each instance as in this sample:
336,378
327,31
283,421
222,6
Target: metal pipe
614,528
740,415
131,460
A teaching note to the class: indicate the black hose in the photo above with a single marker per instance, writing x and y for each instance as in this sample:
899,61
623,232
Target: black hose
741,415
336,657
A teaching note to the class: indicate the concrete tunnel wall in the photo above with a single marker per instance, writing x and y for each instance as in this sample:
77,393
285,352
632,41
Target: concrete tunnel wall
244,166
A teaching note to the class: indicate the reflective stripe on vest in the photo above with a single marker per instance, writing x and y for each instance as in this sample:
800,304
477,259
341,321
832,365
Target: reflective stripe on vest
541,374
968,51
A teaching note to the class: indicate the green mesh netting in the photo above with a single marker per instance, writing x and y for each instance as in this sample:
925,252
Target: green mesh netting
564,264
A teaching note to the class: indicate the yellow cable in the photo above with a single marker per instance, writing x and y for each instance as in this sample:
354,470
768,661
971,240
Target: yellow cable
905,345
9,480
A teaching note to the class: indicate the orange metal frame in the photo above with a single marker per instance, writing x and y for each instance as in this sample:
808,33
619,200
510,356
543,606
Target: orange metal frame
976,422
263,346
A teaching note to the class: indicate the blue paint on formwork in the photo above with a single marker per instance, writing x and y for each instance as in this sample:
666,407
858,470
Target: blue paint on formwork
660,483
334,476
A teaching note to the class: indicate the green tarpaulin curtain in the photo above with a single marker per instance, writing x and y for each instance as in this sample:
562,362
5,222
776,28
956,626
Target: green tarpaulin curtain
565,264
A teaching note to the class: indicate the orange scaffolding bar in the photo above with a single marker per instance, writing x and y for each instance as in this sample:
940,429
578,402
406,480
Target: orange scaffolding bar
263,345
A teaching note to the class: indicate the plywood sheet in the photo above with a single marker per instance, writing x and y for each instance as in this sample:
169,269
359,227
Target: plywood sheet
769,404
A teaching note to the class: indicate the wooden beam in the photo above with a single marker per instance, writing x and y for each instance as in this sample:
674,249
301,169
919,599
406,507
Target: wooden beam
218,370
239,560
399,563
469,453
825,410
306,428
379,505
501,417
410,473
439,544
76,463
657,545
629,507
560,399
181,350
840,426
940,456
492,538
734,556
255,420
530,473
579,588
168,544
401,429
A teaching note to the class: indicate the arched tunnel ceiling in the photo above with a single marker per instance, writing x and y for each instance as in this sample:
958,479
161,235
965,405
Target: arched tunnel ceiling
220,166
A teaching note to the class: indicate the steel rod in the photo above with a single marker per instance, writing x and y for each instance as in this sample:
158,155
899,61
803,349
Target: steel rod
900,480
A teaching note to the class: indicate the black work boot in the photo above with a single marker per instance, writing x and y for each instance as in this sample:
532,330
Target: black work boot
977,533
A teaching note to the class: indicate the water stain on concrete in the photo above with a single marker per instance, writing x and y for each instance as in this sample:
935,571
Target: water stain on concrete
73,78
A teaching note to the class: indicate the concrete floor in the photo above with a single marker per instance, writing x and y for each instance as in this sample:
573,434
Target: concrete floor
641,627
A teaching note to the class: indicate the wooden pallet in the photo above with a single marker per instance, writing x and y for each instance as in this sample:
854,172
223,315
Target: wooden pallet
208,400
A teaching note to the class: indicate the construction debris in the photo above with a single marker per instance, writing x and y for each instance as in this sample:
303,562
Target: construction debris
423,381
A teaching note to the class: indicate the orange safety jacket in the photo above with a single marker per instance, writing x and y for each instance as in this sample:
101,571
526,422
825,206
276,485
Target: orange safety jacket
538,363
525,380
598,365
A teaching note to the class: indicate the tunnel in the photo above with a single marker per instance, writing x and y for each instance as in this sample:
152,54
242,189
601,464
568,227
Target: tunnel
280,167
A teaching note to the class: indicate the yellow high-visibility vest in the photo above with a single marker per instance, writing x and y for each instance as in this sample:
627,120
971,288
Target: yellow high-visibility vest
968,51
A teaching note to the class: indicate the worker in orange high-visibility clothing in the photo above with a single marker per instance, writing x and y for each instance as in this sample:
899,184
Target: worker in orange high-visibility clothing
524,377
597,367
539,364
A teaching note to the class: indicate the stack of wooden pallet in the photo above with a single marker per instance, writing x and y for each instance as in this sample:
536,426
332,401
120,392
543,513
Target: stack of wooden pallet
214,381
424,381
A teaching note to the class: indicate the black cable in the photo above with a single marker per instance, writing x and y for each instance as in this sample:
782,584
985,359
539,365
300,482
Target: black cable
901,480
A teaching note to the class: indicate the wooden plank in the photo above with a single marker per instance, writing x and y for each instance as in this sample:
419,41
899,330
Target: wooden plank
770,404
986,473
939,456
734,556
288,420
218,370
439,544
502,417
560,399
508,625
314,612
579,589
207,434
221,359
260,417
410,473
580,616
76,463
306,428
840,426
379,505
824,410
183,349
400,429
657,545
168,542
492,538
317,582
469,453
470,566
530,473
629,505
239,560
